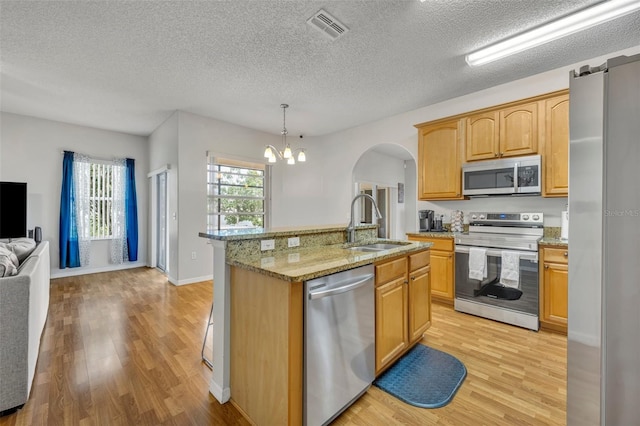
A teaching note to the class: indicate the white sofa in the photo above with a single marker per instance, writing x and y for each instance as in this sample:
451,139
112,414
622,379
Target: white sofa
24,303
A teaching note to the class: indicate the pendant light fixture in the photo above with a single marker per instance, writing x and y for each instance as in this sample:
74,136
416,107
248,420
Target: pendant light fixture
271,153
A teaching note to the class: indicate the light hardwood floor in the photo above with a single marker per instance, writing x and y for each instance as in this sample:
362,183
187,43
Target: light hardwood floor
124,348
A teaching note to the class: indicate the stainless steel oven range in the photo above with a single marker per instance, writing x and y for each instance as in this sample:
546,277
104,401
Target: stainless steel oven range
497,267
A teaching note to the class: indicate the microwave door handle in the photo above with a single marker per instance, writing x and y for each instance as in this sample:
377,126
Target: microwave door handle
515,178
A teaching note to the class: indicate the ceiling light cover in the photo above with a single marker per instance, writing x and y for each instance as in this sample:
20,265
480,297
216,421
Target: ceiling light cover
581,20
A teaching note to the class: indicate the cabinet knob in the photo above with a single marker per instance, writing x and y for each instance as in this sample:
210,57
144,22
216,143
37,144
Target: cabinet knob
566,253
413,278
501,154
546,266
458,194
496,154
406,281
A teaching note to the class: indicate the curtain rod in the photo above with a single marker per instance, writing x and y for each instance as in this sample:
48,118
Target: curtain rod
98,158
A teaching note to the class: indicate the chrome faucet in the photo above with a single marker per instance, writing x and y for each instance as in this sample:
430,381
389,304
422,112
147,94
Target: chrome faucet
351,228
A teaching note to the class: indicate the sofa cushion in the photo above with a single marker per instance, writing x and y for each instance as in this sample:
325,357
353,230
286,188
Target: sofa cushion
8,262
21,247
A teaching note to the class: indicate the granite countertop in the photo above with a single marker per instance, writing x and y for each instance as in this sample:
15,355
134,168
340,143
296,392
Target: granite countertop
553,241
314,262
254,233
431,234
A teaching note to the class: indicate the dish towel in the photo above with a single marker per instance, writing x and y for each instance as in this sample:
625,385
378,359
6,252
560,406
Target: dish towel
477,263
510,274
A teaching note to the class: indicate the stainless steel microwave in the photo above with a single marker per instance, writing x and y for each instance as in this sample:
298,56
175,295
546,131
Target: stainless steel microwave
506,176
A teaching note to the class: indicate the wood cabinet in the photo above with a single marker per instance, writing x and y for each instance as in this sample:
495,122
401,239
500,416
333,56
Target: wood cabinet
504,132
530,126
556,146
442,267
403,305
419,295
392,306
554,286
439,160
519,130
482,136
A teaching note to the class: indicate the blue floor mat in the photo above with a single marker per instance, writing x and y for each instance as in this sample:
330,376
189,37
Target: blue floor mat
424,377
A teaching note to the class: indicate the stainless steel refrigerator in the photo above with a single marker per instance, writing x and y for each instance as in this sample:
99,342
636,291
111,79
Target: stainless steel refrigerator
603,351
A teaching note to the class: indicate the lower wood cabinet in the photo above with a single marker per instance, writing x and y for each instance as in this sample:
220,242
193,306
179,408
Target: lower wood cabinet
403,305
442,267
554,288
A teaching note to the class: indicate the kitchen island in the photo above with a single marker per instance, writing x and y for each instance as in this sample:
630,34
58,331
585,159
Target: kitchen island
258,310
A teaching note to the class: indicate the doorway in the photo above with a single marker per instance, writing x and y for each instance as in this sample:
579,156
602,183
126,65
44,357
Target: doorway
161,223
159,219
388,173
381,195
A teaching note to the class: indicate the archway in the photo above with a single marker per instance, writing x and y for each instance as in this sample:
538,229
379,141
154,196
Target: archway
387,172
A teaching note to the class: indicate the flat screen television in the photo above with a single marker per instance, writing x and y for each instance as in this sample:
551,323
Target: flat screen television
13,209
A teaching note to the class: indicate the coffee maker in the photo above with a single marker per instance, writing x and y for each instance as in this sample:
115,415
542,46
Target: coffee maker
426,218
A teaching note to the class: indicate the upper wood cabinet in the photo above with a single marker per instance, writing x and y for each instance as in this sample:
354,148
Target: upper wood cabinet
439,160
483,135
519,130
556,146
526,127
505,132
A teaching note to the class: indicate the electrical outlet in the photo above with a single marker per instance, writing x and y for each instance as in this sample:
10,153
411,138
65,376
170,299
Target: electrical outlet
193,255
265,262
267,244
294,241
293,257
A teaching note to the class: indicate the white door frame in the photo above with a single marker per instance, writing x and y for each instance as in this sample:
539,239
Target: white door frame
153,217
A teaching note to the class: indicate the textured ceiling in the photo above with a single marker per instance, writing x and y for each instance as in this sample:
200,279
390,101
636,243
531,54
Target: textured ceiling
126,65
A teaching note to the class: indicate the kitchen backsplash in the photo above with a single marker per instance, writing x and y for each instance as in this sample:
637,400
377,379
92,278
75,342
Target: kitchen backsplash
550,207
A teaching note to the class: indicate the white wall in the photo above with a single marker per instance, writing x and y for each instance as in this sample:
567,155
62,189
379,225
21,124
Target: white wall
31,152
163,151
196,136
378,168
385,171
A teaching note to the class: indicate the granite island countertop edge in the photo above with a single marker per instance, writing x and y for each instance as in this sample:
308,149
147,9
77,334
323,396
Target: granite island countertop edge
315,262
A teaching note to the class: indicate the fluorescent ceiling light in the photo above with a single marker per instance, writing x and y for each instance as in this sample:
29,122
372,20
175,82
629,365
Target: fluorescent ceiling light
586,18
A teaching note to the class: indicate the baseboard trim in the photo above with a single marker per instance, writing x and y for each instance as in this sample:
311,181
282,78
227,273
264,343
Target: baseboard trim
190,280
222,395
62,273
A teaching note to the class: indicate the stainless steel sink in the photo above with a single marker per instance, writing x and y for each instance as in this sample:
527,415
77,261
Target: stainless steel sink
375,247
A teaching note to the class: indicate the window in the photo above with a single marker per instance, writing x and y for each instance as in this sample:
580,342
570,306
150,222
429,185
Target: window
101,200
237,195
97,201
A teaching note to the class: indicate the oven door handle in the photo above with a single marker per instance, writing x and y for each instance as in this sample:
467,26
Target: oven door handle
525,255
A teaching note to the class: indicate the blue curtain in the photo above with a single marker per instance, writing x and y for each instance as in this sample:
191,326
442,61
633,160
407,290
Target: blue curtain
69,249
131,211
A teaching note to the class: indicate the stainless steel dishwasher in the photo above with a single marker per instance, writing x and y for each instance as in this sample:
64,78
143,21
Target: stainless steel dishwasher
339,342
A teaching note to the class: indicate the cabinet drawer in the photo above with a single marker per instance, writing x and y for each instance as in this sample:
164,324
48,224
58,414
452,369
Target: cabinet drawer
393,269
443,244
556,255
419,260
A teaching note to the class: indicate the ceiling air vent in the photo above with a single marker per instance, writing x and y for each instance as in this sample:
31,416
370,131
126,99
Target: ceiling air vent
327,24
